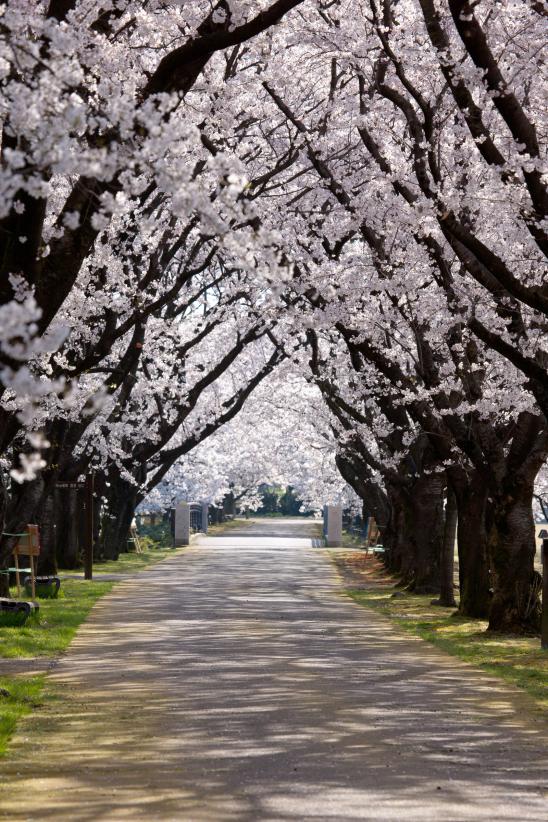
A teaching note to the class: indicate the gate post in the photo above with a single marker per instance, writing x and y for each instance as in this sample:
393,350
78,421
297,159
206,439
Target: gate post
182,524
544,624
333,526
205,515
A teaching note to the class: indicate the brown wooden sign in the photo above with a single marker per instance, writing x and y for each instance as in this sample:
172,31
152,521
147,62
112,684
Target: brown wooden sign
28,545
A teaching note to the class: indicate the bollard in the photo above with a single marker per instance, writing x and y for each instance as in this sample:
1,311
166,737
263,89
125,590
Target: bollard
182,524
333,526
205,517
544,625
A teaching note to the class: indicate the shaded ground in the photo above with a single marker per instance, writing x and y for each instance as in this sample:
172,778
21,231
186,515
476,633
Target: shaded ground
517,659
235,683
30,666
362,571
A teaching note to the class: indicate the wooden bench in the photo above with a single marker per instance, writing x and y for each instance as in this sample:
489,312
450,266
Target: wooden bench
135,540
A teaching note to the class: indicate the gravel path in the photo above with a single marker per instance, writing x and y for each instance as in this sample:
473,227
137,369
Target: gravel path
236,682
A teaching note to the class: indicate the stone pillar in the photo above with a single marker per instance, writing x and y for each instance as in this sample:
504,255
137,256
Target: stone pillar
333,526
205,516
182,524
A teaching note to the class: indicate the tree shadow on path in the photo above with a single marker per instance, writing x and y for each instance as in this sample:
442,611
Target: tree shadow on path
236,683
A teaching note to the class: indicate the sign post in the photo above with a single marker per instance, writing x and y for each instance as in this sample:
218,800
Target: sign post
87,486
88,540
544,624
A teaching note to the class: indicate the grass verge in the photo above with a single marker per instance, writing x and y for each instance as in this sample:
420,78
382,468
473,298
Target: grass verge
50,632
516,659
17,698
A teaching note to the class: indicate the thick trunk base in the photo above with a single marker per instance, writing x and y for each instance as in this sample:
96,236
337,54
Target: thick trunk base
474,582
424,526
515,607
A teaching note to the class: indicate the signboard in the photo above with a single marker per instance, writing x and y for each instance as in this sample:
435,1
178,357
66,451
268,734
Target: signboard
29,544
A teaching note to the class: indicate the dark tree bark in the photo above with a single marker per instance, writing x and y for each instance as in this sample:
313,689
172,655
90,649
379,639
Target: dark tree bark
4,578
116,519
474,584
393,532
447,560
47,525
425,525
23,504
394,535
515,606
69,504
229,505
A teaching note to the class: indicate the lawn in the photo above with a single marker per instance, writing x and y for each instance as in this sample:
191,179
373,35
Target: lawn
516,659
17,697
50,632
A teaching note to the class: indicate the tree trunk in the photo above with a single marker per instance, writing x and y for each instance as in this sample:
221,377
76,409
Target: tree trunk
471,495
4,576
515,606
69,502
46,519
116,520
394,536
23,505
447,559
425,525
229,505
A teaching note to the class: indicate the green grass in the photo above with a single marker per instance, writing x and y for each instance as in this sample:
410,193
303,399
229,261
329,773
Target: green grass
516,659
50,632
158,534
17,698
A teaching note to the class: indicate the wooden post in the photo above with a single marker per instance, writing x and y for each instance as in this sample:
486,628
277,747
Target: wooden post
88,542
17,578
544,626
32,577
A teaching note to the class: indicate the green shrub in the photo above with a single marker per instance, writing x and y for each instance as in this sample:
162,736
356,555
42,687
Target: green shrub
155,536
